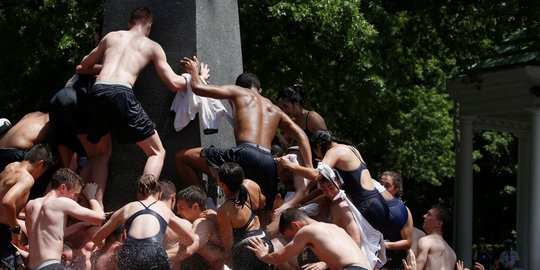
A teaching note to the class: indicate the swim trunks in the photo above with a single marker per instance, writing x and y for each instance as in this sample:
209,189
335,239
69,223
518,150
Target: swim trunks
353,267
113,107
52,265
256,161
68,112
195,262
9,257
9,155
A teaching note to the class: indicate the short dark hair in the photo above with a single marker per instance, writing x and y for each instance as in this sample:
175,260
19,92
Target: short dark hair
140,15
167,188
67,177
40,152
193,194
248,80
443,214
147,185
288,216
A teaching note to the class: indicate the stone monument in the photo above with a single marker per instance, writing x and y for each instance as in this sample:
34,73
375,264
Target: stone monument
208,29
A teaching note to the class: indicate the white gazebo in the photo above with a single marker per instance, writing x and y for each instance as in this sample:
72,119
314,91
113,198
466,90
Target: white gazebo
503,94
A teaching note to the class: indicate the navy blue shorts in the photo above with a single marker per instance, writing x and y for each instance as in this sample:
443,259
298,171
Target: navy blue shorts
113,107
9,258
257,163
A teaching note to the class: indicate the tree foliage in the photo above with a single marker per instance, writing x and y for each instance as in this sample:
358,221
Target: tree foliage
41,44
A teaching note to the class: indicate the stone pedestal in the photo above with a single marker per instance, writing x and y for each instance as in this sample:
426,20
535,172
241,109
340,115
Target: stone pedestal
206,28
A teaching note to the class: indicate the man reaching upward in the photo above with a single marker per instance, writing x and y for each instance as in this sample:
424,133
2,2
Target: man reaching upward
111,102
256,120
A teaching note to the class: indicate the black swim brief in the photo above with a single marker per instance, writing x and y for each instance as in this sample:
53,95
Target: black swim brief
257,163
9,155
113,107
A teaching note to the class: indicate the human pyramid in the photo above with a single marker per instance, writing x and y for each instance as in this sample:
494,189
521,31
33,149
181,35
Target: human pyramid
301,199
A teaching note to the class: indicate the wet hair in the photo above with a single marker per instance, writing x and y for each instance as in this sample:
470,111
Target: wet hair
288,216
443,214
40,152
191,195
67,177
147,185
248,80
294,94
232,175
167,189
324,138
398,181
140,15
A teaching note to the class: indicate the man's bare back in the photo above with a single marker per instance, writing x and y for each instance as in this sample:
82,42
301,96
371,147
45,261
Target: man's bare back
32,129
440,255
329,242
125,54
15,183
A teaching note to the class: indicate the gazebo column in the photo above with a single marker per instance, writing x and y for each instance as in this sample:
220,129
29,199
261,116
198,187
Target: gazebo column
534,203
523,189
463,197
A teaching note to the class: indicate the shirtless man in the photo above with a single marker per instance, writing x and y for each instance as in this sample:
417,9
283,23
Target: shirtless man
15,183
111,100
32,129
256,120
46,217
191,205
433,251
330,243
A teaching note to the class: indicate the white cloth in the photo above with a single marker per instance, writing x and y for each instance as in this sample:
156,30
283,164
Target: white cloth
372,243
186,105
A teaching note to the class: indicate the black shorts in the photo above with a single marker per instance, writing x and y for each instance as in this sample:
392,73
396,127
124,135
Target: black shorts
257,163
67,115
9,258
195,262
143,256
113,107
9,155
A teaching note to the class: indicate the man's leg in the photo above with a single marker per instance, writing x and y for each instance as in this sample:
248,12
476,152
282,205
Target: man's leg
189,165
155,154
97,165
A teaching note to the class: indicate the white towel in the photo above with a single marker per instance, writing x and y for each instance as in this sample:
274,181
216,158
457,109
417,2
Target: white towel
186,105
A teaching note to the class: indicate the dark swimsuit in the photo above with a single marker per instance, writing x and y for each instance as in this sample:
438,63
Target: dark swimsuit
242,257
144,253
369,202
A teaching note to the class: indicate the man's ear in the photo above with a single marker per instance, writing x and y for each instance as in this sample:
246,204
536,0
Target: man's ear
63,187
196,206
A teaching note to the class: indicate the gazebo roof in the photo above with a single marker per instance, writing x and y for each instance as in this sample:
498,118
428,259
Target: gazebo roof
521,48
500,90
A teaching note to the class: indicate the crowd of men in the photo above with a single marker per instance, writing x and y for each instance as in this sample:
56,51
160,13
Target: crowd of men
314,205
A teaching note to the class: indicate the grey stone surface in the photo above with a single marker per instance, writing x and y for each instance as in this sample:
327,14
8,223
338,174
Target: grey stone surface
206,28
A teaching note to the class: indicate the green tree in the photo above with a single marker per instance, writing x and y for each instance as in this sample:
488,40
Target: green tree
42,41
